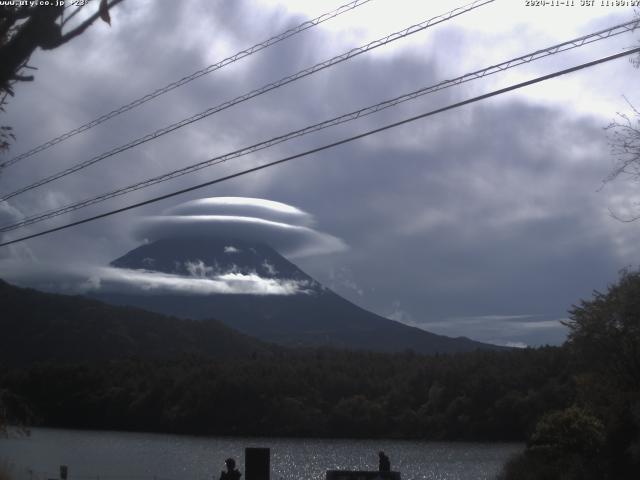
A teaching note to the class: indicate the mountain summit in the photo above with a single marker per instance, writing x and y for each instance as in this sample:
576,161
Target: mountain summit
284,305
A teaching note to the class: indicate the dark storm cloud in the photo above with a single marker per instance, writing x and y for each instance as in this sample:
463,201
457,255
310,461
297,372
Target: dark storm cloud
488,213
488,218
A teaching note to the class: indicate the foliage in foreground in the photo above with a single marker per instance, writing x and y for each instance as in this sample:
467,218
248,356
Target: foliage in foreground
598,437
5,471
28,26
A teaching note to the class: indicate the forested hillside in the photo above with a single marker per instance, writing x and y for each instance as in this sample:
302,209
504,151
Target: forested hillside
479,396
37,326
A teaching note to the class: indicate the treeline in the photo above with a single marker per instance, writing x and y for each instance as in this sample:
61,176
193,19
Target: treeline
327,393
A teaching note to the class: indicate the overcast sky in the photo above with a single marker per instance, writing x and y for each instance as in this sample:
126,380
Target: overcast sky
487,221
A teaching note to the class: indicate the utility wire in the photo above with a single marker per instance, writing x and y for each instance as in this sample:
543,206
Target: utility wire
328,146
211,68
587,39
271,86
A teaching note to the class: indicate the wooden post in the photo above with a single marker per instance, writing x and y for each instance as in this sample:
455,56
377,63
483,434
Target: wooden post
361,475
257,463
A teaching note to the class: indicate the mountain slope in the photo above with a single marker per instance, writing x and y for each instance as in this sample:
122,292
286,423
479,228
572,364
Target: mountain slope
316,317
39,326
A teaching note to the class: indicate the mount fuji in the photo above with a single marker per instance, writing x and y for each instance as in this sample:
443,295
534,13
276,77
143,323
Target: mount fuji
262,294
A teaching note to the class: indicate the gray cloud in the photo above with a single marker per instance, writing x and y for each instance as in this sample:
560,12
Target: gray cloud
507,330
483,211
9,214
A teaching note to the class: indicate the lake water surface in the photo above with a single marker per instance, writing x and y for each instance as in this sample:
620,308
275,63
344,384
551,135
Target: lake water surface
93,455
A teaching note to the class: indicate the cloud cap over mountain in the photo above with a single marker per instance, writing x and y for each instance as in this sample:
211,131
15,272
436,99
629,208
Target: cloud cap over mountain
283,227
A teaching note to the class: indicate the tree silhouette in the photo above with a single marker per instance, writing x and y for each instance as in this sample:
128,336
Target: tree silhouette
624,141
605,332
24,28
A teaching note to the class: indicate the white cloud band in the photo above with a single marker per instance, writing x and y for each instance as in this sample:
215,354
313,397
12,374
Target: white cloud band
204,281
252,220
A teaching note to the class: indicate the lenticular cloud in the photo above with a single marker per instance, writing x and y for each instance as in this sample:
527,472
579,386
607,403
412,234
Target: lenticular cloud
243,207
285,228
252,220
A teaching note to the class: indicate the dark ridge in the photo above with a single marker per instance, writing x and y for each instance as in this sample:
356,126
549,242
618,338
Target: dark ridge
41,326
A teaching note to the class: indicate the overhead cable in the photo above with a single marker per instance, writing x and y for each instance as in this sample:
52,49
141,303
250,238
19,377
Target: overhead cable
326,147
529,57
178,83
267,88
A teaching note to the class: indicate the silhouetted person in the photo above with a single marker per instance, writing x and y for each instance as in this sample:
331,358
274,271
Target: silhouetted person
384,465
231,473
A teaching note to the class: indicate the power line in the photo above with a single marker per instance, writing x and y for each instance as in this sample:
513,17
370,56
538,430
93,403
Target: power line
178,83
271,86
538,54
328,146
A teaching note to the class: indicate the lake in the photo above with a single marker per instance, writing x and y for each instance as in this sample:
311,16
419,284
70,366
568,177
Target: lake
92,455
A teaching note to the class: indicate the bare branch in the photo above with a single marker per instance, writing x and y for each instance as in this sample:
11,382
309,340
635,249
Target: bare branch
83,26
73,14
619,218
23,78
624,142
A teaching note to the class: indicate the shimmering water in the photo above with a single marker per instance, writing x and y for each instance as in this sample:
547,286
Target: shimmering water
94,455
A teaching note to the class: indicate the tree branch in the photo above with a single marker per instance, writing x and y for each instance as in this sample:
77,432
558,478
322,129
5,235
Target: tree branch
73,14
39,30
23,78
82,27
